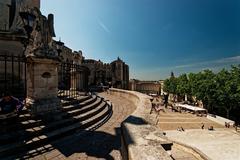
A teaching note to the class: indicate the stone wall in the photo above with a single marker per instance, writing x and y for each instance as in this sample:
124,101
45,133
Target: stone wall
11,47
9,13
148,87
140,138
4,14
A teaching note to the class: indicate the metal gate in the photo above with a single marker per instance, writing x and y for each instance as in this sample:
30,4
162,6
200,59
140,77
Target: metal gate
72,79
13,76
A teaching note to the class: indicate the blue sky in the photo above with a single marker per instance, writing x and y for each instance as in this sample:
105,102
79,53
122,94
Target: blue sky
154,37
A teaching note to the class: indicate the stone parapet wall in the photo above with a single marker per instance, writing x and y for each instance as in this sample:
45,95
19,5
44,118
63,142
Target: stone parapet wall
192,150
140,138
220,120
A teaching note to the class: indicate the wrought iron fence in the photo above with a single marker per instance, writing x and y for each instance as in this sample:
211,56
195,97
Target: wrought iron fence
13,75
72,80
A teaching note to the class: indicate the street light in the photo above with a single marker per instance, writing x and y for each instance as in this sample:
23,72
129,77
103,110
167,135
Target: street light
28,21
59,45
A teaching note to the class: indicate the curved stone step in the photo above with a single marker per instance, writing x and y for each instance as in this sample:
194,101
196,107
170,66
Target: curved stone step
98,121
90,118
40,129
27,121
85,109
80,104
75,101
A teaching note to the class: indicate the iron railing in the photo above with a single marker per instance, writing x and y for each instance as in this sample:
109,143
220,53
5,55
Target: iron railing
13,75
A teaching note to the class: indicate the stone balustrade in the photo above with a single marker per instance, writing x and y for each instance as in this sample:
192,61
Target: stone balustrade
140,138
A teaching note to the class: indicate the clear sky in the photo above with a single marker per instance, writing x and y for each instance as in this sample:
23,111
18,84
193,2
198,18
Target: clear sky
154,37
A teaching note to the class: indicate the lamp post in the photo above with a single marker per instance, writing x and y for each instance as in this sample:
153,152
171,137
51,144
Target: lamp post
28,21
59,45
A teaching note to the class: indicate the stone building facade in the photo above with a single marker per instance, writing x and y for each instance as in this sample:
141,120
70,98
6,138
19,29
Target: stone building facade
100,73
120,71
148,87
115,73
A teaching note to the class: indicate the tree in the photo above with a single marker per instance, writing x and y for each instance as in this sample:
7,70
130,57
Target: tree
203,87
216,91
170,85
228,89
166,85
183,87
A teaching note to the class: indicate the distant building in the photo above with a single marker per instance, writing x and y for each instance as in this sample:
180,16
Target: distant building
115,73
100,73
148,87
120,74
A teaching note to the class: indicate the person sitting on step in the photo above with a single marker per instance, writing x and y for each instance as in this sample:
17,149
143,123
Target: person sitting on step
210,128
9,106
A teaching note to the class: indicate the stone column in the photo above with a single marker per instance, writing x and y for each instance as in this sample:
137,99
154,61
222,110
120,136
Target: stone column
42,85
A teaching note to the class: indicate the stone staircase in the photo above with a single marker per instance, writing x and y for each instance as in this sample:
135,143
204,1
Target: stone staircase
77,115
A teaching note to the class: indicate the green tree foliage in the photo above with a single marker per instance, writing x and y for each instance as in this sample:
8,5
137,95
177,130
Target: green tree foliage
170,85
204,88
216,90
228,89
183,86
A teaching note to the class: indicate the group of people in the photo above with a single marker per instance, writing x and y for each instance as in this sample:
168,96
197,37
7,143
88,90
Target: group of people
235,125
181,129
227,124
210,128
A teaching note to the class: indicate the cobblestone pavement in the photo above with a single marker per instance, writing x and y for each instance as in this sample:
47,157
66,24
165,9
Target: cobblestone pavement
103,143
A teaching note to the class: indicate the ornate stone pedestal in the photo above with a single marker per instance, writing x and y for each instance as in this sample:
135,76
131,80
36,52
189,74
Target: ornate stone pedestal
42,85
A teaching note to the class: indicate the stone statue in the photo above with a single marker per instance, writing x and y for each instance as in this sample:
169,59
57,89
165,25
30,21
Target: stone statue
40,43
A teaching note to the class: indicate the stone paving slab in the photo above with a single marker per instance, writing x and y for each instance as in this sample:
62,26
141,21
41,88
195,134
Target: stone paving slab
220,144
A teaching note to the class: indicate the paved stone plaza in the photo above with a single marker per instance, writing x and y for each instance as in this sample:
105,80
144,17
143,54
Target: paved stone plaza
103,143
220,144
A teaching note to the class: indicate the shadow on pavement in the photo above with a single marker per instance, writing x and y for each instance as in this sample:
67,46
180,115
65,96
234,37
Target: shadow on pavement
135,120
96,144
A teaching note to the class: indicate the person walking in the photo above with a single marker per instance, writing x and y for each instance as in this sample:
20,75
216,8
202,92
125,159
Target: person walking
165,100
